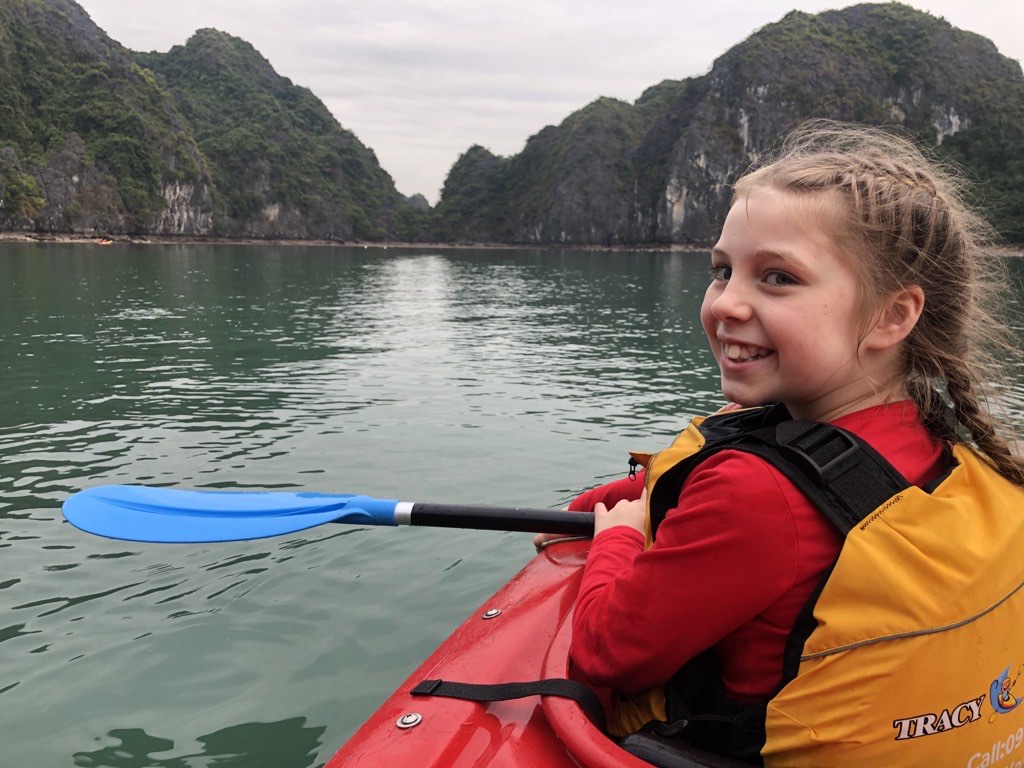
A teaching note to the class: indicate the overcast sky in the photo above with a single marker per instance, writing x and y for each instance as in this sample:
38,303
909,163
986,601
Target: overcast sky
420,81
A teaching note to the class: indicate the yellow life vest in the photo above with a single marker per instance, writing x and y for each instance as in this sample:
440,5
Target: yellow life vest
915,655
919,647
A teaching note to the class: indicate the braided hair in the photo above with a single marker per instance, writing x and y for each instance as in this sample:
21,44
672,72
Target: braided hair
902,218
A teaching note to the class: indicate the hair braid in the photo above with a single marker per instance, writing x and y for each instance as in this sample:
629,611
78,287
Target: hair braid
981,427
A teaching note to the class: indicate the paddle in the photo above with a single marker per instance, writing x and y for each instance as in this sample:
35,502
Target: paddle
167,515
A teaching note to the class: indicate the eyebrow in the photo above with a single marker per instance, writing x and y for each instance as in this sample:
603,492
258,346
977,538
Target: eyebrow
762,253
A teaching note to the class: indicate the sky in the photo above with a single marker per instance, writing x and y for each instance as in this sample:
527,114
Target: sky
421,81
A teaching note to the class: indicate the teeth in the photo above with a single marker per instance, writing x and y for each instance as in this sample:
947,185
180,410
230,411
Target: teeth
738,352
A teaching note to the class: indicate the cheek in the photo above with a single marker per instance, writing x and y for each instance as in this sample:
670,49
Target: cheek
707,319
844,321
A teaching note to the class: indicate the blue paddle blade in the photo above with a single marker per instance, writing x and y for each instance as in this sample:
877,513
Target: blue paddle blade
167,515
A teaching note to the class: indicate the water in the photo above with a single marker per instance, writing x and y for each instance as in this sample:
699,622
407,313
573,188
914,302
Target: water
509,377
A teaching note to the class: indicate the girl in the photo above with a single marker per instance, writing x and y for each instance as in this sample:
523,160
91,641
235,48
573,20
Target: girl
846,285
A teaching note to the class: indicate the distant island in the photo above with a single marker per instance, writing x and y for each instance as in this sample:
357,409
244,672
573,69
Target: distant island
207,141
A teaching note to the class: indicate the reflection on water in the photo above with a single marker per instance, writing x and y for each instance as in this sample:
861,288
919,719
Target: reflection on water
511,377
286,744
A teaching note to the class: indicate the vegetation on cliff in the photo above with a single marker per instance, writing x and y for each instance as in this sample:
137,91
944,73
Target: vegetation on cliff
86,134
682,144
280,162
207,139
204,140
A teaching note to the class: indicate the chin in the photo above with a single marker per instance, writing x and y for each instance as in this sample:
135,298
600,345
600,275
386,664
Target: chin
740,398
746,400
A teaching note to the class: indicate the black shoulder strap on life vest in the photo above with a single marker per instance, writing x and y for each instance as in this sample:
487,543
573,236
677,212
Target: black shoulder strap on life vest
844,477
841,474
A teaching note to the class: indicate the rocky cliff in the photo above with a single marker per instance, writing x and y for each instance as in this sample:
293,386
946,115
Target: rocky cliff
281,164
88,141
660,170
205,139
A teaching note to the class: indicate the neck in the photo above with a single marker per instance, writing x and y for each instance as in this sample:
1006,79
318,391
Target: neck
850,399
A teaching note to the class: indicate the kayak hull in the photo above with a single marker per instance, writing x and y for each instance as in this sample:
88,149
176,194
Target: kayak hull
520,634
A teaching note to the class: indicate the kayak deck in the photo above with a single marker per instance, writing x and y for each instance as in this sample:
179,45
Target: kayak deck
520,634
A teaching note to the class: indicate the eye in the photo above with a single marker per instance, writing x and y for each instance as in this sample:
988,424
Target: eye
721,272
777,278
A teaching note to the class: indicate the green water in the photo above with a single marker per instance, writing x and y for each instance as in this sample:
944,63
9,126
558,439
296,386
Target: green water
505,377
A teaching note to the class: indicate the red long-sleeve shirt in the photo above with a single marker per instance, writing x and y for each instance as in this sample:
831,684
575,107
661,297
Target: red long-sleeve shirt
732,565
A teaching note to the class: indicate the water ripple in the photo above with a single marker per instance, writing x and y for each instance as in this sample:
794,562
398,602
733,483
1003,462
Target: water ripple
506,377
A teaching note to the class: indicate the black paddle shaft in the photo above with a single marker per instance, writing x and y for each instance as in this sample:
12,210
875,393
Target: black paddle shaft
502,519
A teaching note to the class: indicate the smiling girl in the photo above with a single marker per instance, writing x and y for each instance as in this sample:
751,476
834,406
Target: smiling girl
846,286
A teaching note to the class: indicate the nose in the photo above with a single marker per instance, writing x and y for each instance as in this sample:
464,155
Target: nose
730,303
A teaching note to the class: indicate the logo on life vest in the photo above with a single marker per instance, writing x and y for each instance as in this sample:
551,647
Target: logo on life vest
931,723
1001,693
1000,698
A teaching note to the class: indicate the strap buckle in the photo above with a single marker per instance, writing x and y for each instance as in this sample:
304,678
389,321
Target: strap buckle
823,451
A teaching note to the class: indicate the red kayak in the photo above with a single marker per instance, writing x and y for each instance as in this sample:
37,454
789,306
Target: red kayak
520,634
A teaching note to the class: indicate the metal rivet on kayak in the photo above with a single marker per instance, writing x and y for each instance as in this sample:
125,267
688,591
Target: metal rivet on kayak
492,613
410,720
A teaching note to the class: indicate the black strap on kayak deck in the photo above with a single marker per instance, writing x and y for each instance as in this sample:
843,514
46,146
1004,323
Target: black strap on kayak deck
566,689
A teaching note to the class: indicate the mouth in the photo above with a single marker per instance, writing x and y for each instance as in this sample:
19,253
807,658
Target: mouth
741,353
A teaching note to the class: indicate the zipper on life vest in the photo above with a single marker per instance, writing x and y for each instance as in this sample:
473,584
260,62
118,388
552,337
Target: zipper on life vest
633,464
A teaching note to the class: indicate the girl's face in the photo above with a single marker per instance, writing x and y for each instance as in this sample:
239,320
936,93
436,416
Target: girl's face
782,312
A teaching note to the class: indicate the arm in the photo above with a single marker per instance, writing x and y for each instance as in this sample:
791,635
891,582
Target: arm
724,554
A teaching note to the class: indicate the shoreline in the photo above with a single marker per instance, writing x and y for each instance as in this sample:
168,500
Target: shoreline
80,239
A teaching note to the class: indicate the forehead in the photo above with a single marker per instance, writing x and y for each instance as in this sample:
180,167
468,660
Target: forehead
765,218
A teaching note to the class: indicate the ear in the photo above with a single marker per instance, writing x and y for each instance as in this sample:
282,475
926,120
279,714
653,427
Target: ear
897,317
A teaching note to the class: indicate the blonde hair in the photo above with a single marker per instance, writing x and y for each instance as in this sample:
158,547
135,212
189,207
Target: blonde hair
903,218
